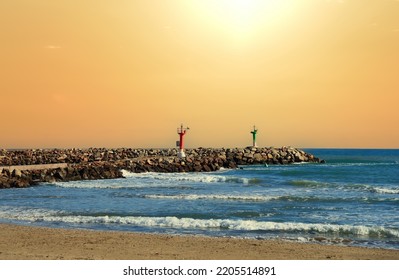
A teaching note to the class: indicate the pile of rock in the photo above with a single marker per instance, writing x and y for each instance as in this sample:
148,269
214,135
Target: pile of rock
284,155
14,179
90,164
249,155
48,156
205,160
23,178
174,164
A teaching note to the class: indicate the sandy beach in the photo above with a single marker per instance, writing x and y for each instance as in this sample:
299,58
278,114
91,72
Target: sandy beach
35,243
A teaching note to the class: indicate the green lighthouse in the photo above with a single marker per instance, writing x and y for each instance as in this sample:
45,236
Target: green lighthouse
253,132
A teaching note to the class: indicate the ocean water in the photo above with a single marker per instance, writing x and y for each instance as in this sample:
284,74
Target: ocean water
352,200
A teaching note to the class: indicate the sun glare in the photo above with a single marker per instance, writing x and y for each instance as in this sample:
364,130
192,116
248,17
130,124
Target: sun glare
240,18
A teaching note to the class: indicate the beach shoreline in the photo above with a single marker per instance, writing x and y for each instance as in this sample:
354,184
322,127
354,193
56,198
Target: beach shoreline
20,242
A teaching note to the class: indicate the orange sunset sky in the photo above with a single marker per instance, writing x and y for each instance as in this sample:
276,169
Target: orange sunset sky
126,73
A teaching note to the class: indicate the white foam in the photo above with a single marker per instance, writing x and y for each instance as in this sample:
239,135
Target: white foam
26,214
91,184
152,179
362,164
365,187
215,197
378,189
39,215
185,177
325,240
386,190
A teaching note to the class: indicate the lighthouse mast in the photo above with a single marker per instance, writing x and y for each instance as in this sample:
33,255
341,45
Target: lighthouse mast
253,132
181,131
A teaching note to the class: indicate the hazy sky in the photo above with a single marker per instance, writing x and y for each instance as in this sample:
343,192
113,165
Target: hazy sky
126,73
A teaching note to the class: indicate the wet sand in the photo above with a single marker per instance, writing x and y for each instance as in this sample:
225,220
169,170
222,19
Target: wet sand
35,243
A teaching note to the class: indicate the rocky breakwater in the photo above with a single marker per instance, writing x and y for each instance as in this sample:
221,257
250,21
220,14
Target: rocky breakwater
16,177
93,163
209,159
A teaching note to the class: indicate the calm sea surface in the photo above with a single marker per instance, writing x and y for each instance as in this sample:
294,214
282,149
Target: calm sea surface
353,199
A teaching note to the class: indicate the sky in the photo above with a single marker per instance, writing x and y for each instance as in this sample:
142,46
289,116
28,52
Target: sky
127,73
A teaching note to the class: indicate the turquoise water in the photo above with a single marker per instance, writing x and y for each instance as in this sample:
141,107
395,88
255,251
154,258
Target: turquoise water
353,200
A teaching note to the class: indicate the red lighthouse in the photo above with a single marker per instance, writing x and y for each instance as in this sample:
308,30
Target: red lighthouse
181,131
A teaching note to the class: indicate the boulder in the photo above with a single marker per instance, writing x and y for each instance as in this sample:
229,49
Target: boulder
258,158
249,155
206,168
60,174
16,173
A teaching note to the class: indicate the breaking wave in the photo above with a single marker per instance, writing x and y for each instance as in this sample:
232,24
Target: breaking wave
386,190
190,177
263,198
214,197
40,215
364,187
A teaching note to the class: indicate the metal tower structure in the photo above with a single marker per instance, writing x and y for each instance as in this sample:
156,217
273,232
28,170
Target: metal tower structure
253,132
181,131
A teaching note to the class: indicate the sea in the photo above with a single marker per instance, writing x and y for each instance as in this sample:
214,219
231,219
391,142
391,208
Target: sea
351,200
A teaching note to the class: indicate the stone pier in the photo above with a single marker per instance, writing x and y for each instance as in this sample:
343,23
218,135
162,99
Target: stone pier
24,168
